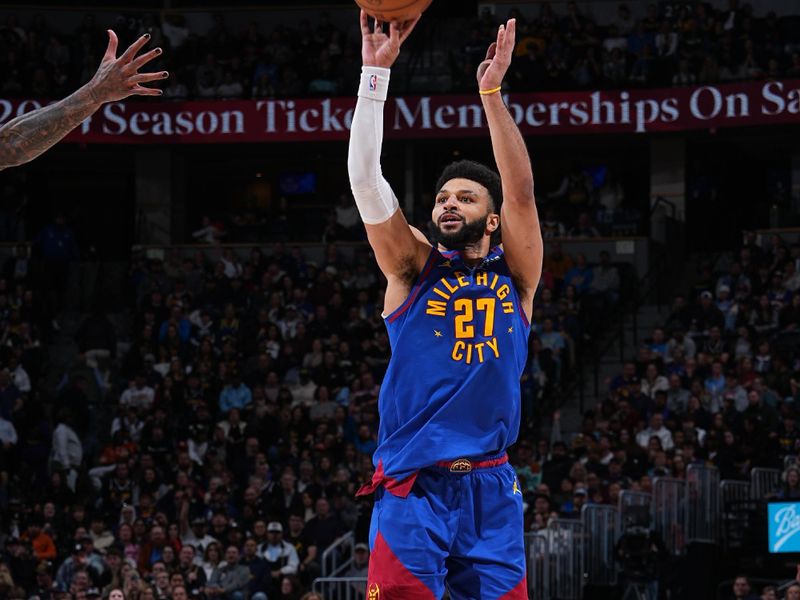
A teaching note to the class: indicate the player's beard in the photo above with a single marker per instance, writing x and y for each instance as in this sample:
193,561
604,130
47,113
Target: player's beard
469,233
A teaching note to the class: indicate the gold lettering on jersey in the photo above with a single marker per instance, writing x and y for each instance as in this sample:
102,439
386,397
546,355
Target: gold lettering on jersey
448,285
452,286
436,308
473,318
470,353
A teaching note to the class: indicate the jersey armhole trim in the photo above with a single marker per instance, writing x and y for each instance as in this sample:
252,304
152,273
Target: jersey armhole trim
391,318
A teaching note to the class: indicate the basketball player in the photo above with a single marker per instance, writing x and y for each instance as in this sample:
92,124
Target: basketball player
24,138
448,506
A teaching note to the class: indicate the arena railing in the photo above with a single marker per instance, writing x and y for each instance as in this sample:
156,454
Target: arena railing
341,588
338,556
568,554
565,544
764,482
601,522
538,563
670,511
705,497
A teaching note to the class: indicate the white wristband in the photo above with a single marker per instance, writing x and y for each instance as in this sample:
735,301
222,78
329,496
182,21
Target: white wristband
374,83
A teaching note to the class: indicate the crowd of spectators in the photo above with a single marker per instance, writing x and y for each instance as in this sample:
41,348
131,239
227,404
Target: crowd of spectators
225,429
718,383
559,48
212,443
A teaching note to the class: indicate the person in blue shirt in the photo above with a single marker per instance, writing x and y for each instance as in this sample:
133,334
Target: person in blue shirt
235,395
579,276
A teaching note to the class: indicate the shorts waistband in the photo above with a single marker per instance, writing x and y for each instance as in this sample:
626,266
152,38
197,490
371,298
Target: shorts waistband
467,465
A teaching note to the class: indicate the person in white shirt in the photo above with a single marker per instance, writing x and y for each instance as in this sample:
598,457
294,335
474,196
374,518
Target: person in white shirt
8,434
197,536
19,375
653,382
347,216
67,451
138,395
230,87
280,555
658,430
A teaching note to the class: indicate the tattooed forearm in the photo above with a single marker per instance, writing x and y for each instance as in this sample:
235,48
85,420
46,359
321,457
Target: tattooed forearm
26,137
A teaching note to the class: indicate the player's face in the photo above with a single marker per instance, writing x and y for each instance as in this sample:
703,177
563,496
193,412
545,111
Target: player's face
463,213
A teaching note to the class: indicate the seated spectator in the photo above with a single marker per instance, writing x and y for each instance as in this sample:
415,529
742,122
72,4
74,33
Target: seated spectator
579,276
605,282
657,430
791,484
280,556
653,382
230,579
742,589
584,228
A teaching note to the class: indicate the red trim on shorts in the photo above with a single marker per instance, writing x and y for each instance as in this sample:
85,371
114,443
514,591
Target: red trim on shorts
415,291
484,464
389,579
520,592
400,488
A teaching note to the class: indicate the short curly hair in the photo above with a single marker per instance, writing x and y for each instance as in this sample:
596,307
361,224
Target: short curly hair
474,171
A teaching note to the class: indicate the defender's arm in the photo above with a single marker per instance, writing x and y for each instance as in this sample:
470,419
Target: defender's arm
24,138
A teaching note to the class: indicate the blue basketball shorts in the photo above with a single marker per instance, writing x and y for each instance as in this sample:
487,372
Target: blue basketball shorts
459,527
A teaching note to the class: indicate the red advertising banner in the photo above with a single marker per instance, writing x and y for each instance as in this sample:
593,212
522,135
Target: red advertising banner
419,117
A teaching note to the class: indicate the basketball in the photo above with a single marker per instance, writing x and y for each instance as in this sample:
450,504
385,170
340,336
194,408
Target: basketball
394,10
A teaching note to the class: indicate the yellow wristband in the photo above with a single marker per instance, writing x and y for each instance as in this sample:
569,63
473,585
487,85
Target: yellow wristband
488,92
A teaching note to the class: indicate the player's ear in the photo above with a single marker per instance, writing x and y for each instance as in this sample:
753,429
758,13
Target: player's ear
492,222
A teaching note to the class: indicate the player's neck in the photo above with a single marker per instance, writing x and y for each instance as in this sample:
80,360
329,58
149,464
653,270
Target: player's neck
472,254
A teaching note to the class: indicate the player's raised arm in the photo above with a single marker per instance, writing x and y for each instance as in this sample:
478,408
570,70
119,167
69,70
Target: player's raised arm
24,138
399,252
522,236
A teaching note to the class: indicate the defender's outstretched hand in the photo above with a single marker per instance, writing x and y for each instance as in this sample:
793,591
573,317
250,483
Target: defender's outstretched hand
498,57
118,78
379,49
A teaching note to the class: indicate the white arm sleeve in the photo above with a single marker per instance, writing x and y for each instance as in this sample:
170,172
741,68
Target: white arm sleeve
374,197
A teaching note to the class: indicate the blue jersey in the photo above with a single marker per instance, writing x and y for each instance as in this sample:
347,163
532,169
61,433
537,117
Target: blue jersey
459,347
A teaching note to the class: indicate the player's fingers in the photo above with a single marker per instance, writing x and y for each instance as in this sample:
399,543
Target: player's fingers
113,42
145,77
134,48
394,33
408,27
145,58
378,26
511,27
511,34
501,38
145,91
491,51
364,23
